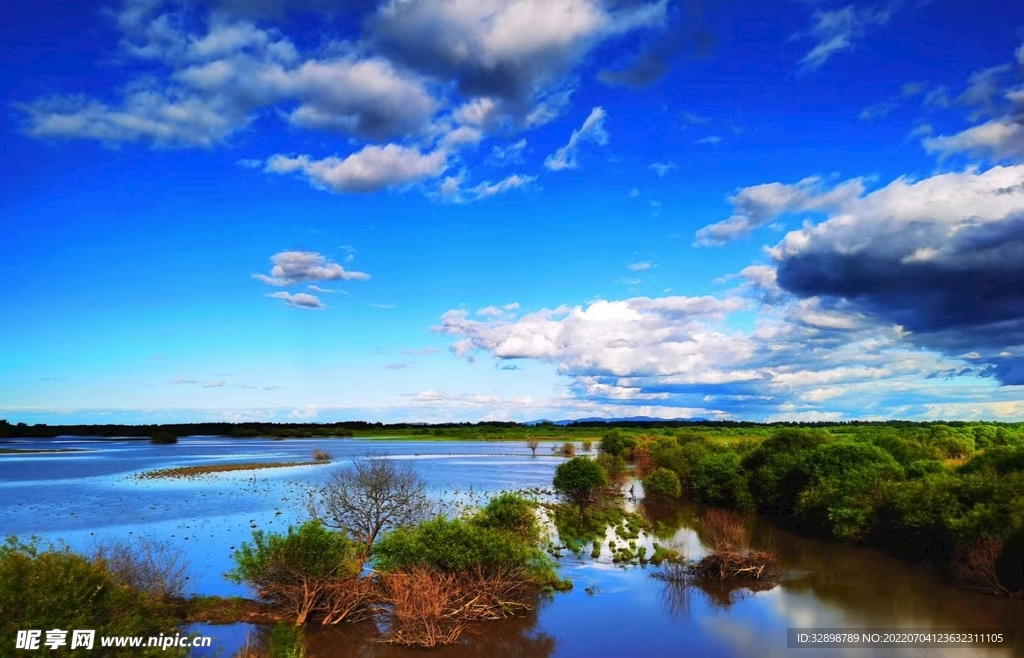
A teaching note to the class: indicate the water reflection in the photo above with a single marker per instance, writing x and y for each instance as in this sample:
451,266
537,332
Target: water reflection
514,637
83,496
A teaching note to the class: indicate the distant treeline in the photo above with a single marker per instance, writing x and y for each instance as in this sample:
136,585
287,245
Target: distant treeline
481,430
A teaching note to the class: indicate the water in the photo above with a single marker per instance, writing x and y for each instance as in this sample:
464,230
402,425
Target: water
86,496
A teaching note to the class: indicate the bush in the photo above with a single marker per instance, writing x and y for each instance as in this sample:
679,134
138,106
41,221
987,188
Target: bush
662,483
568,449
510,512
55,588
777,469
587,445
321,456
614,468
297,573
460,546
163,437
999,459
617,443
154,567
578,479
719,480
845,478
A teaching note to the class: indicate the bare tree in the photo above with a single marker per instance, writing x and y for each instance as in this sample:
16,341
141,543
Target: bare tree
372,495
532,444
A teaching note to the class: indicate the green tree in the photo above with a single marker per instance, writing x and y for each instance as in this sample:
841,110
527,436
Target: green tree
662,483
718,479
578,479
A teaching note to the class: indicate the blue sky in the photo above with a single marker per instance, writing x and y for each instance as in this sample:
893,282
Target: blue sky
435,210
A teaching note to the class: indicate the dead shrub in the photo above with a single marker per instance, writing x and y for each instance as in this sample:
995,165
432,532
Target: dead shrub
148,565
726,530
974,566
738,566
429,607
321,456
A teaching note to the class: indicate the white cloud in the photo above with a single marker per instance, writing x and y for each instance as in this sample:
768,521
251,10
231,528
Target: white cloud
214,384
710,139
592,130
663,168
837,30
803,358
999,139
759,205
641,266
510,154
368,170
291,267
451,188
877,111
299,300
219,78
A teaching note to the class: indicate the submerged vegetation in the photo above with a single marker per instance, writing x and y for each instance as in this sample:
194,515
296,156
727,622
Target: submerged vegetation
208,469
947,496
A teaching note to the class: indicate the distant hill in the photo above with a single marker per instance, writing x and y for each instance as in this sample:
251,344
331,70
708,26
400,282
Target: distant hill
625,419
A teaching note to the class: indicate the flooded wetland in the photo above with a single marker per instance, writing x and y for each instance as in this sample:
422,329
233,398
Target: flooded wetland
93,490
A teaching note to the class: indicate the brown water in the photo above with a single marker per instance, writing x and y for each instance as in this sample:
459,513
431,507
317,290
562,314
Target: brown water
611,611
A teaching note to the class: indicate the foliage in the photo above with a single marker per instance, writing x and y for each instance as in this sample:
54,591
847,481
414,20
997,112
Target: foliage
578,479
662,483
460,546
163,437
321,456
298,572
532,444
510,512
614,468
844,480
778,469
1001,460
719,480
374,494
56,588
617,443
568,449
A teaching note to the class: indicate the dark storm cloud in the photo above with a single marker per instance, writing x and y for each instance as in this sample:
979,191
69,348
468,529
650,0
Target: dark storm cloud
965,293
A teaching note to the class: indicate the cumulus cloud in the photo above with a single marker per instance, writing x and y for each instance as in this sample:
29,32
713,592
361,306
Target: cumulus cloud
1000,139
759,205
592,130
299,300
803,356
837,30
292,267
943,258
516,52
371,169
218,79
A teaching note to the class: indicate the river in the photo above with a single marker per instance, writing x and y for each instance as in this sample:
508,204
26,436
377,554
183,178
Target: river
90,493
